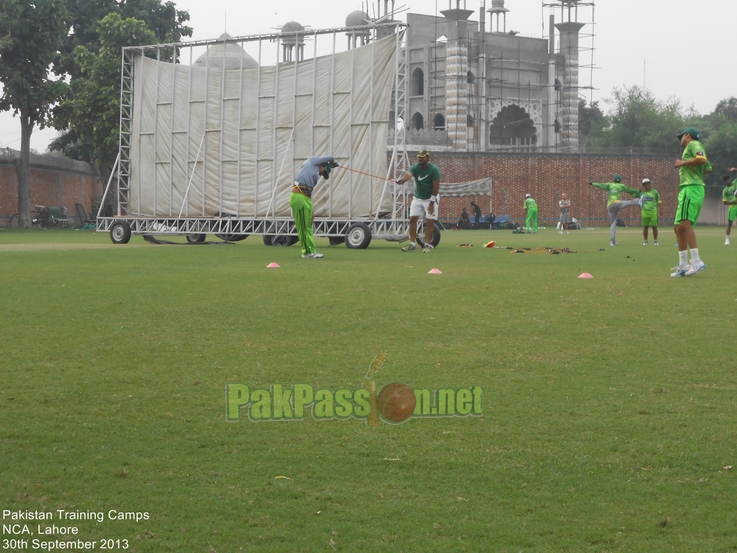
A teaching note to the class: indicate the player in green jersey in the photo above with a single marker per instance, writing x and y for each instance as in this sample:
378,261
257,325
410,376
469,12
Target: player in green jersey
425,199
530,206
692,167
650,200
729,198
615,203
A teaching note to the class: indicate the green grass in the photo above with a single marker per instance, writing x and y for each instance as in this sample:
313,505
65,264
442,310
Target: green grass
609,403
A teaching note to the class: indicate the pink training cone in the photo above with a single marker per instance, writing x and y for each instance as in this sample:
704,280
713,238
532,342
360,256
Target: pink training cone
272,266
585,275
434,272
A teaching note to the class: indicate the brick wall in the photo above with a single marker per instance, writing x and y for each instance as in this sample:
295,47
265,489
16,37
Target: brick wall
547,176
54,182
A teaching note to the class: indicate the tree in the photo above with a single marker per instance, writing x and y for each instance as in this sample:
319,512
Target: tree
89,116
639,120
721,145
591,121
91,111
32,34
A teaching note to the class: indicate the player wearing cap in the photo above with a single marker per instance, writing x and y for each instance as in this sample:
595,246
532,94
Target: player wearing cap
615,203
301,200
649,200
425,199
692,167
530,206
729,198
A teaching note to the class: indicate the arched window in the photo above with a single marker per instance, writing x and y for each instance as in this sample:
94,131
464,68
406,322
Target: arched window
418,82
438,122
418,122
512,126
470,77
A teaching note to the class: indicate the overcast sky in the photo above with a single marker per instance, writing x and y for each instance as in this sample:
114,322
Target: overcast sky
678,48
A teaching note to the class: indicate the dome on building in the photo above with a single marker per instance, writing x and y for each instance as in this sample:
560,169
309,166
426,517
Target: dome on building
357,18
227,54
497,6
288,29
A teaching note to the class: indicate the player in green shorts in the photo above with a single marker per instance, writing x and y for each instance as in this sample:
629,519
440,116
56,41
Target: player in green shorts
729,198
692,167
615,203
530,206
649,200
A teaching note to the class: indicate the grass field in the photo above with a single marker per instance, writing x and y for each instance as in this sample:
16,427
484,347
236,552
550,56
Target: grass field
608,403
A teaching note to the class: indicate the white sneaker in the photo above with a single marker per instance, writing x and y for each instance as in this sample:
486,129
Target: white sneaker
655,243
568,232
644,243
313,255
695,268
612,243
726,241
679,271
560,232
428,248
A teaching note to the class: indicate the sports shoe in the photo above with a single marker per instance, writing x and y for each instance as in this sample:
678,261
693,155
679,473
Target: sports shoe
726,241
560,232
613,243
409,248
644,243
655,243
428,248
679,271
313,255
568,232
695,268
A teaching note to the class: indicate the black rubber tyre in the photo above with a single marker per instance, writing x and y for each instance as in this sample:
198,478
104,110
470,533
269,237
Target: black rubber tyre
336,240
358,236
14,221
196,238
435,238
120,232
284,240
232,237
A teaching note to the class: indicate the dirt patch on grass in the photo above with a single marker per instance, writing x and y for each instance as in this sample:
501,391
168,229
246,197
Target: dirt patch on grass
60,246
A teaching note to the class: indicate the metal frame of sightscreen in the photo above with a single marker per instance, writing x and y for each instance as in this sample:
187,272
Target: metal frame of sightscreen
390,224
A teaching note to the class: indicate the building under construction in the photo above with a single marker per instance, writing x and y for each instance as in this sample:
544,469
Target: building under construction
476,86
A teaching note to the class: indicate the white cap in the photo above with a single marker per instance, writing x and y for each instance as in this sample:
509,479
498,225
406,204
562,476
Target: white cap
646,181
527,196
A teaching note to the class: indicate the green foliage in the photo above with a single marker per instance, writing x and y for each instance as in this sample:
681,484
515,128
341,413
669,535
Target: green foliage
639,120
591,121
606,427
92,109
31,33
89,117
721,147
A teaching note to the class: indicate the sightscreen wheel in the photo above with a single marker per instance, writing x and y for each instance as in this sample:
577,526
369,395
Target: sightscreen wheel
284,240
232,237
336,240
120,232
435,238
358,236
196,238
14,221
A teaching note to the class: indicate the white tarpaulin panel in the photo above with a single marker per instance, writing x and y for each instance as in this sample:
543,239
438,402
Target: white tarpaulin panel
208,140
471,188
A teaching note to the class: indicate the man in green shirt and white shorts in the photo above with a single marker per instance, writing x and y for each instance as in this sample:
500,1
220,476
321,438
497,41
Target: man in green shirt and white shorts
729,198
649,200
425,199
691,169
